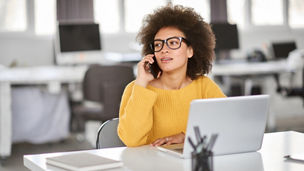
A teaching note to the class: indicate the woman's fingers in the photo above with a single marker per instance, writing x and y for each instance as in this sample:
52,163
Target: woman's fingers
158,142
169,141
162,141
148,58
143,74
174,139
144,63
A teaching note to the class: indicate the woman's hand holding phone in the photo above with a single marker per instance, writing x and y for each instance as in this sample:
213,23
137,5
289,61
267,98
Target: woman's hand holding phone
144,75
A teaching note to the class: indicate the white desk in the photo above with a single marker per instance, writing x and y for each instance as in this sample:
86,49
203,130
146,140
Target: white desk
269,158
51,76
249,71
250,68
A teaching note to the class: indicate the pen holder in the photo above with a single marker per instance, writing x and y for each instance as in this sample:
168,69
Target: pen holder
202,161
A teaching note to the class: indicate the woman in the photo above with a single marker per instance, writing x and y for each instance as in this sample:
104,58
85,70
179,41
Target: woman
154,109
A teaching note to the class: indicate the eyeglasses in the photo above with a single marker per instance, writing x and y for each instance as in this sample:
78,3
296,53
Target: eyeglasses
172,43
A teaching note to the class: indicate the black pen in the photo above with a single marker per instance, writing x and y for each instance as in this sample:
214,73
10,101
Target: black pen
197,134
191,143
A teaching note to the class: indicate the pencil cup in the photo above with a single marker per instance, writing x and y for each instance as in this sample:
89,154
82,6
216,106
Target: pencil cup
202,161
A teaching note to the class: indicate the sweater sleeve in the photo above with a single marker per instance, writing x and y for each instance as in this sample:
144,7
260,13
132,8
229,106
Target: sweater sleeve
135,115
211,89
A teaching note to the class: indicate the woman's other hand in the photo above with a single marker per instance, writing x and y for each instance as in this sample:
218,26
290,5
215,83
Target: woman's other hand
174,139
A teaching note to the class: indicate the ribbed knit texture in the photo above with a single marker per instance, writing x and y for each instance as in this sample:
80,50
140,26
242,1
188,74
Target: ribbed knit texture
147,114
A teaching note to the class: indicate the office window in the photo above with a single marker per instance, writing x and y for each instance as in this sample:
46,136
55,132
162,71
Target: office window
106,13
13,15
200,6
296,13
236,12
45,17
266,12
136,10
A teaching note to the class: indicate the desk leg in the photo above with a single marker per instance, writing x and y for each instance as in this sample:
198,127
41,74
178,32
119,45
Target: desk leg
271,122
247,86
5,120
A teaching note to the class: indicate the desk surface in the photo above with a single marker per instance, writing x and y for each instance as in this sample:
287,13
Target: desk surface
75,73
270,157
42,74
66,74
250,68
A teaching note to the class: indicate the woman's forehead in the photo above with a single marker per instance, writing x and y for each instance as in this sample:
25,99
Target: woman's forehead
167,32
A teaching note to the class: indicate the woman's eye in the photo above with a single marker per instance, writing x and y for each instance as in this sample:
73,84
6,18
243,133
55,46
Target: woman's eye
157,44
173,42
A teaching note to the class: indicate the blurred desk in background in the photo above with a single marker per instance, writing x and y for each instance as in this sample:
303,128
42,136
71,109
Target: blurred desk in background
51,76
250,71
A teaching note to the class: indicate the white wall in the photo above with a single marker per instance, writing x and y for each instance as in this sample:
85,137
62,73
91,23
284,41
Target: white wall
31,50
26,50
258,38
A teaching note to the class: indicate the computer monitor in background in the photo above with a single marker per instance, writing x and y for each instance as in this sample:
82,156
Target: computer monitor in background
226,36
78,43
281,49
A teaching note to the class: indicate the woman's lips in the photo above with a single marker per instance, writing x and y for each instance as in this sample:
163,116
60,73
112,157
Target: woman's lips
166,59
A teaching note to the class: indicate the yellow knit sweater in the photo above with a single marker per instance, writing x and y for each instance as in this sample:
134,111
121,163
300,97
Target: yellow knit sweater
147,114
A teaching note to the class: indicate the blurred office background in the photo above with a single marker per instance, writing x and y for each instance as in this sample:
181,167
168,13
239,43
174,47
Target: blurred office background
29,38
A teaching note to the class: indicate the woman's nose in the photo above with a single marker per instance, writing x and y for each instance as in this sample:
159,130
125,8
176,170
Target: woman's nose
165,48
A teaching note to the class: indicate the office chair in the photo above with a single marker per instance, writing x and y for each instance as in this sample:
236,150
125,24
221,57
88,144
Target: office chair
295,61
103,87
107,135
290,92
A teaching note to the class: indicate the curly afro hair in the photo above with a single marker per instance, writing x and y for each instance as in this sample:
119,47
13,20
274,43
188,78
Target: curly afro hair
196,30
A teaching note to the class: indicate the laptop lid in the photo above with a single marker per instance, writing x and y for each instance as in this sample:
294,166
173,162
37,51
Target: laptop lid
239,122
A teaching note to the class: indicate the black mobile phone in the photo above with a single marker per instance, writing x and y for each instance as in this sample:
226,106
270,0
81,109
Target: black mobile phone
154,68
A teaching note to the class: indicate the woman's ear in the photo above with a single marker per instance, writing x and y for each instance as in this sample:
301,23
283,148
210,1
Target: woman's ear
189,52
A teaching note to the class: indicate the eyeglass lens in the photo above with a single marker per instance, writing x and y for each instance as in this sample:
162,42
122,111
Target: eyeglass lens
172,43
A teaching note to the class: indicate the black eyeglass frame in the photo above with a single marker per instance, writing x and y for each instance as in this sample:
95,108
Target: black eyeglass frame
166,42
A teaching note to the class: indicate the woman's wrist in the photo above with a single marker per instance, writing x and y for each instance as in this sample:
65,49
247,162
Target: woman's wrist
141,83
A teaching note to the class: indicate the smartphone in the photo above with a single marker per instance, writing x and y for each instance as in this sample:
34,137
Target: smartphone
154,68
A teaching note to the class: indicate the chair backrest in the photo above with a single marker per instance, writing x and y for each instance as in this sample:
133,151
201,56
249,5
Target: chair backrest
105,84
107,135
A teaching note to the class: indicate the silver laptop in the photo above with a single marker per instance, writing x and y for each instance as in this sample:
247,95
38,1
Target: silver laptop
239,122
